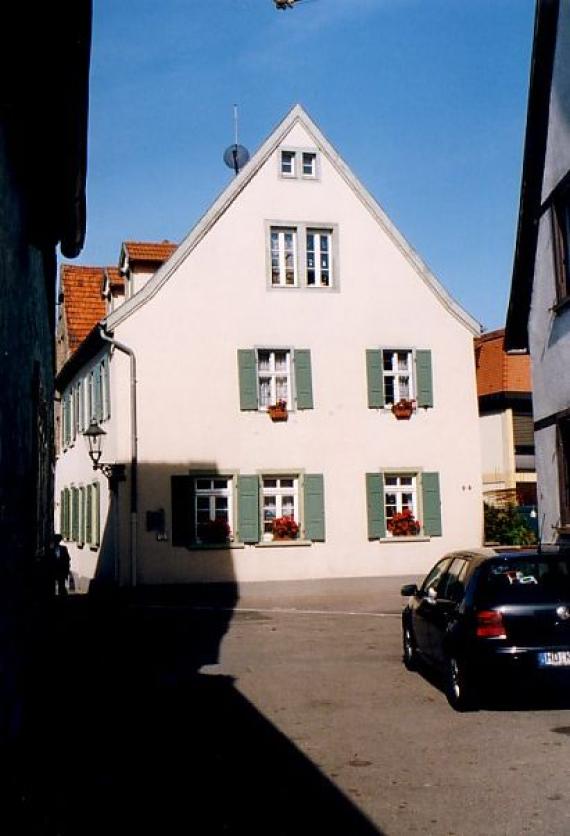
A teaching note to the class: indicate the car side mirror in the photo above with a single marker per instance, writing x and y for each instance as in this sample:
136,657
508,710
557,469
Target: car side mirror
409,590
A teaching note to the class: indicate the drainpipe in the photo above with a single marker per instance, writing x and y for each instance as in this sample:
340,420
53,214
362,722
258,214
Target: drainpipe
134,450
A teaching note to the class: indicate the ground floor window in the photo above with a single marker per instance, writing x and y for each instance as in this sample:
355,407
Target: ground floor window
213,509
400,501
280,507
80,514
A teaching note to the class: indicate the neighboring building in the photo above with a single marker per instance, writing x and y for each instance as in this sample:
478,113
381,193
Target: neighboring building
505,418
295,286
43,158
539,314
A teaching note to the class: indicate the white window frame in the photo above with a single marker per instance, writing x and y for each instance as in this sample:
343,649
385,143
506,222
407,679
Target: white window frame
300,230
279,233
396,374
279,492
399,490
291,157
311,157
272,373
318,233
212,493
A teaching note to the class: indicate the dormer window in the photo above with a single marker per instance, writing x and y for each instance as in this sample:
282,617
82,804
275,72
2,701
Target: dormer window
309,164
288,164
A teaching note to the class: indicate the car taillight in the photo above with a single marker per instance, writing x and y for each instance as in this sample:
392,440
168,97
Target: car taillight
490,625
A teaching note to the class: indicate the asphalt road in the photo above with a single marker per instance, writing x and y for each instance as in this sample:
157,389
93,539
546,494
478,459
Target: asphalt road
330,679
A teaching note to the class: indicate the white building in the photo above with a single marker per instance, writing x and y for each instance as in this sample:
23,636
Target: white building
294,286
539,312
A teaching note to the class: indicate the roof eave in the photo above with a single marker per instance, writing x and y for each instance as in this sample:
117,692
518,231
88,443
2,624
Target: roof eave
542,64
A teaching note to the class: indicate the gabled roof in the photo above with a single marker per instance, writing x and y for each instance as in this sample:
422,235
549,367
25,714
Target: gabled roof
116,281
297,115
82,301
498,372
541,68
148,251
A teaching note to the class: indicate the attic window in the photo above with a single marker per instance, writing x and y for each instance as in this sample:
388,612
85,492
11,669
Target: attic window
288,163
309,164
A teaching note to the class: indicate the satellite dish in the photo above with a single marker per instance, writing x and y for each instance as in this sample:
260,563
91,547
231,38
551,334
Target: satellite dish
236,156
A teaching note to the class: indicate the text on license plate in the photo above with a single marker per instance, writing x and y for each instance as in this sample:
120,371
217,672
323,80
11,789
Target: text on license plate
554,659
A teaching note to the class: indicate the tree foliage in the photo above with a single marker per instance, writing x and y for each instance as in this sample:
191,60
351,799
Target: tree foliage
507,527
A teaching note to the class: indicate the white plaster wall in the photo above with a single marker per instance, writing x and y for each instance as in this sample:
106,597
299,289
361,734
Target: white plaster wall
497,451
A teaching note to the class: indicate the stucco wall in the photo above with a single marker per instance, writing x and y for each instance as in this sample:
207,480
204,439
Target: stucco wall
557,161
497,451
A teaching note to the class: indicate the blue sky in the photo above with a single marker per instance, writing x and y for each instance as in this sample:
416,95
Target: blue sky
424,99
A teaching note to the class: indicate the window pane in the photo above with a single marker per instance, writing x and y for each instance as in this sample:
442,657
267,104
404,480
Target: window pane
281,388
402,361
404,385
387,361
389,389
287,483
264,391
264,361
281,361
220,484
391,480
270,483
203,484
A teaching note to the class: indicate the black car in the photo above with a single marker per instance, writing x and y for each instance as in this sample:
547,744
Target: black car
482,614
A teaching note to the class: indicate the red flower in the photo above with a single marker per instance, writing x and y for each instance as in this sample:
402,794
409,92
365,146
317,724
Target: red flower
285,527
404,524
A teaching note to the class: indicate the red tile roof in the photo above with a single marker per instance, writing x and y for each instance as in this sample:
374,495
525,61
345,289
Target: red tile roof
116,280
149,251
82,301
498,371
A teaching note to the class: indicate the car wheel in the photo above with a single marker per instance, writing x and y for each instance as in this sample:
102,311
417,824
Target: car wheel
410,653
459,687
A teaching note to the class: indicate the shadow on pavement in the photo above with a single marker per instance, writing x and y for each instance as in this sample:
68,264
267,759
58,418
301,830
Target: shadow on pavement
124,734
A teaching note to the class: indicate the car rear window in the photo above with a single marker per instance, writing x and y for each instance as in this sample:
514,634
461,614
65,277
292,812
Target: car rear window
528,580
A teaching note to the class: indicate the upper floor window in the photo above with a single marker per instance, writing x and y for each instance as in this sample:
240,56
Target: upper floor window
309,164
302,255
288,163
319,245
274,377
283,257
561,224
298,164
397,373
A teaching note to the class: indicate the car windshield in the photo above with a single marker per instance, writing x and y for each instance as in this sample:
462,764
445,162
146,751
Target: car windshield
526,580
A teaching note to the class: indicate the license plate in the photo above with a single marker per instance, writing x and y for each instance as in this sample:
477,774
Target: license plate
554,659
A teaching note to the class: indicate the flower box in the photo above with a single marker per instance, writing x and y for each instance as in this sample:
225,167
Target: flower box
284,528
403,409
404,524
278,411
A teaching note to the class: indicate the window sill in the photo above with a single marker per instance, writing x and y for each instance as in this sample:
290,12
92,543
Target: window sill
215,547
420,539
273,544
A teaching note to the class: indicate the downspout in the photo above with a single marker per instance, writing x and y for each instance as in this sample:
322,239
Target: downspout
134,451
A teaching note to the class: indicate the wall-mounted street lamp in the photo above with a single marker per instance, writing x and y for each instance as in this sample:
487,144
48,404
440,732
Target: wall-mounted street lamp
94,435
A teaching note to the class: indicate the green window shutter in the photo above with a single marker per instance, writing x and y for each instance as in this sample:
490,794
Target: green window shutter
247,379
303,378
248,509
105,389
96,513
97,394
89,515
62,515
314,507
431,501
375,378
375,505
74,514
424,381
81,516
182,508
